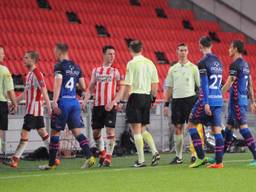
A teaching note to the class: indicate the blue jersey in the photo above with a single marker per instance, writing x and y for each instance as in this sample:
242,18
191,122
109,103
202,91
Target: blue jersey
239,90
210,69
71,73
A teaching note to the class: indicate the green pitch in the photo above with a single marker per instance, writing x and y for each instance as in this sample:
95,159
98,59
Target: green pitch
235,177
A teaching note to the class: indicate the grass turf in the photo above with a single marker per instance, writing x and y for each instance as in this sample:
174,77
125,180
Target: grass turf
236,176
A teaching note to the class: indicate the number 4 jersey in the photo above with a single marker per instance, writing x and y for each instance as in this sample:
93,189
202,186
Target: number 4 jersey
210,69
70,73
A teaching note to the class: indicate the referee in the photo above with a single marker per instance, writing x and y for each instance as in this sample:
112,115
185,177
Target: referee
181,82
6,90
141,82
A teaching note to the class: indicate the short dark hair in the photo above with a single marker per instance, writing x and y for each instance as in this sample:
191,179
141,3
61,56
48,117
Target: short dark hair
205,41
33,55
1,46
182,45
106,47
62,47
239,45
136,46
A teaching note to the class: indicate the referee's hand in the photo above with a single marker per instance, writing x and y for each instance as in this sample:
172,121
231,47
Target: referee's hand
166,112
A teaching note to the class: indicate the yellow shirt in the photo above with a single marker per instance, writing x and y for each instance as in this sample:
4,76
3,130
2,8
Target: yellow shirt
140,74
6,82
183,79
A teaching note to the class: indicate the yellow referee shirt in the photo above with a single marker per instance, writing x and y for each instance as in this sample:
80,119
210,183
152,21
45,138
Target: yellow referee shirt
140,74
183,79
6,82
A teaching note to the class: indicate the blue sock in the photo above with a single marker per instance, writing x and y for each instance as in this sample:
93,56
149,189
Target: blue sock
219,147
197,142
53,149
84,144
245,132
228,138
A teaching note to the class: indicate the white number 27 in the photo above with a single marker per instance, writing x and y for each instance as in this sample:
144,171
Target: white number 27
216,81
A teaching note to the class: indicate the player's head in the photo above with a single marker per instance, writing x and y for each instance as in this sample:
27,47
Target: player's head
236,47
109,54
205,44
136,47
182,51
30,59
61,51
2,55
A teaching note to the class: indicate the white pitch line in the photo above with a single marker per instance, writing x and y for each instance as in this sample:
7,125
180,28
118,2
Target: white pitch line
93,171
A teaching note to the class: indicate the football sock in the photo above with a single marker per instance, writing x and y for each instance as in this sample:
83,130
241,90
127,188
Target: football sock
110,144
99,143
150,141
178,140
245,132
1,146
139,146
84,144
21,148
228,138
197,142
46,140
219,147
53,149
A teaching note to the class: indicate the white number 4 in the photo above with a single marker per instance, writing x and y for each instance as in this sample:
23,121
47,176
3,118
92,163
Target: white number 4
70,84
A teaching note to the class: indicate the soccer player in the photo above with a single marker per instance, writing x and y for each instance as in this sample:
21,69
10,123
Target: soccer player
66,107
104,83
34,93
141,82
208,108
238,84
6,92
182,81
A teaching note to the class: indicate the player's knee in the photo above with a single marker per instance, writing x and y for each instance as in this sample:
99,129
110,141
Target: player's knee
96,134
24,135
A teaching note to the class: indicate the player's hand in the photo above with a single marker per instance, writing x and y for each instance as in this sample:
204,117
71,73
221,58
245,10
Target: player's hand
207,110
166,111
49,111
13,108
109,106
56,110
253,107
120,107
84,106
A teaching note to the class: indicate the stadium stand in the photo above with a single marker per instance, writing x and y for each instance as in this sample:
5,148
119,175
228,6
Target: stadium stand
24,26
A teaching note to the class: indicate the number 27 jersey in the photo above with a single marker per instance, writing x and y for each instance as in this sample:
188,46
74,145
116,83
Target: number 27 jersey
70,73
211,67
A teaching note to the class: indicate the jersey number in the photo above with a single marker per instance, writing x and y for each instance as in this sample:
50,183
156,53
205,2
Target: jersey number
70,84
216,81
246,80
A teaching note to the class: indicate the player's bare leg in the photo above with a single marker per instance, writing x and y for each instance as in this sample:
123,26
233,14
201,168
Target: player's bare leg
110,146
139,144
1,140
147,137
178,141
100,145
84,144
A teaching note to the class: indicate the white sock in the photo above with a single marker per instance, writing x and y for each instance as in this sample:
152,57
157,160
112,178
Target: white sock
21,148
178,139
110,145
140,147
46,141
100,143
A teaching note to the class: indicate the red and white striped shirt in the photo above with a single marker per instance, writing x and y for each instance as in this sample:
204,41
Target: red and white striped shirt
107,79
33,95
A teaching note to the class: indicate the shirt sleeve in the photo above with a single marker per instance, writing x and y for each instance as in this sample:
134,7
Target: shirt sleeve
204,81
196,76
128,77
58,70
202,68
40,78
8,81
169,78
154,75
233,69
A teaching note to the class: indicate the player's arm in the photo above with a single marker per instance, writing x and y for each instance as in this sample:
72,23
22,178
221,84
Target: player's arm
196,77
251,95
125,90
231,78
168,92
20,97
91,87
9,87
154,84
57,85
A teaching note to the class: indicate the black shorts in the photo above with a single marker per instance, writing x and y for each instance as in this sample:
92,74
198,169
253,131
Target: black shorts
181,109
33,122
3,115
138,109
102,118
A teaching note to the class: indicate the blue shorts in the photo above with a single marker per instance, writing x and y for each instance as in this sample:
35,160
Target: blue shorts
70,115
237,114
198,115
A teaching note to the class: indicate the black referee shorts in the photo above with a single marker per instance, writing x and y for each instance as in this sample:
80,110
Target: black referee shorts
181,109
3,115
138,109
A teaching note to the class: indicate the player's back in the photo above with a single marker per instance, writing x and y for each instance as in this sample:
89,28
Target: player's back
239,90
214,69
71,73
